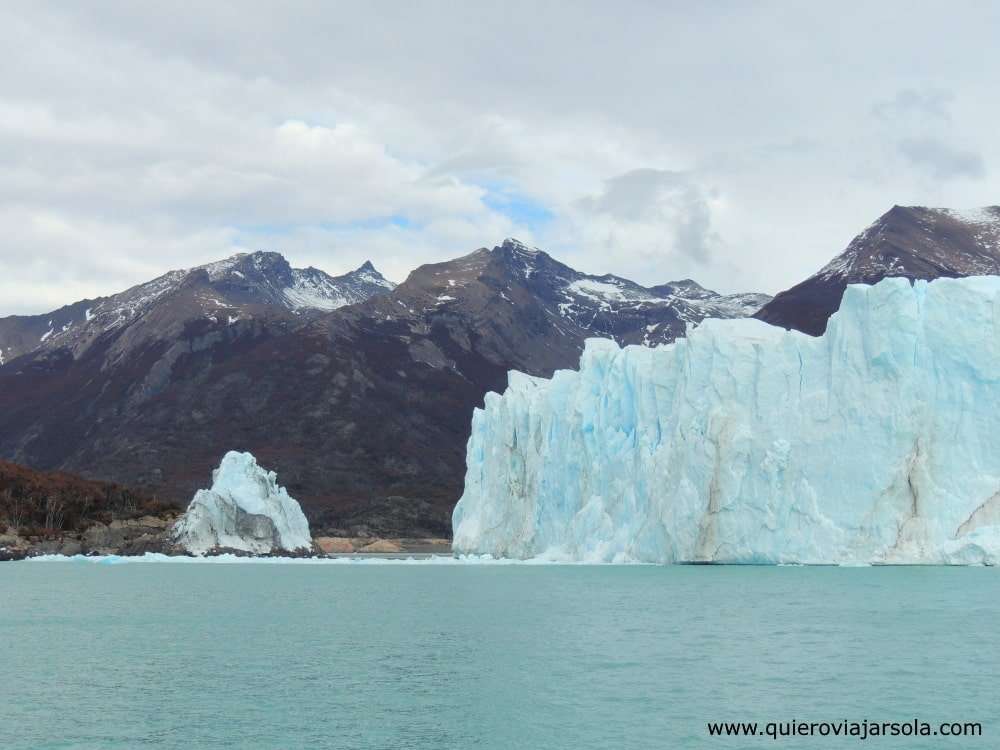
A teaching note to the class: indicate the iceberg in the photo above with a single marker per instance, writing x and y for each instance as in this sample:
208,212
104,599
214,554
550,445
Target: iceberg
747,443
244,510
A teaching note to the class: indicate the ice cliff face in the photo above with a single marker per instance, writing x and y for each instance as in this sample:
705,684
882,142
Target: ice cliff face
244,510
746,443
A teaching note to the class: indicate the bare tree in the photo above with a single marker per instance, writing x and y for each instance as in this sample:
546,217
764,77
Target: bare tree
55,509
16,509
86,504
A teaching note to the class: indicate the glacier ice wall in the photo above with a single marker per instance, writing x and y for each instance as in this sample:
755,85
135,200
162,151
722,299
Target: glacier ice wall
244,510
746,443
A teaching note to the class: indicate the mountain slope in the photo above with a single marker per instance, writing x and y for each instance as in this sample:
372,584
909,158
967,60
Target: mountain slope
912,242
363,411
576,303
242,285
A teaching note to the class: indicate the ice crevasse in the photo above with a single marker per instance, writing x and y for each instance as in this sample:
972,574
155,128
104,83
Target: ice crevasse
746,443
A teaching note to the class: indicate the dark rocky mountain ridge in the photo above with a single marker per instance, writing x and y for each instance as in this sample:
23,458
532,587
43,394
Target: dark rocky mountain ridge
241,285
914,242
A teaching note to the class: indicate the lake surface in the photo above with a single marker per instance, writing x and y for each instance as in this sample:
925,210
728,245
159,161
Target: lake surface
426,655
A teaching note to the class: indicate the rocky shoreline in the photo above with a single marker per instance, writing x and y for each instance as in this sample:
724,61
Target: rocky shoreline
134,537
119,537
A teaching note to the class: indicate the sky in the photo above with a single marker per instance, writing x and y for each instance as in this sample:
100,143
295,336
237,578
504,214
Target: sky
742,144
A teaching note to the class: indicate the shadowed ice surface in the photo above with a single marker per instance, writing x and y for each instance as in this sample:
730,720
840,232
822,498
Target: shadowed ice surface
477,656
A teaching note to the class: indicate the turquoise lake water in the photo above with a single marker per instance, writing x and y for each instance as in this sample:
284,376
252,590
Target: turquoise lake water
486,656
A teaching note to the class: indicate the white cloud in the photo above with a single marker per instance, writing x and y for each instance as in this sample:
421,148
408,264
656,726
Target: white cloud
657,140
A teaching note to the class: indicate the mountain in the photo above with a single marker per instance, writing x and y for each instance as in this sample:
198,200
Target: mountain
243,285
576,304
744,443
913,242
364,411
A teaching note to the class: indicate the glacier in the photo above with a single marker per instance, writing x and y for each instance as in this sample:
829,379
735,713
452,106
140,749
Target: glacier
746,443
244,510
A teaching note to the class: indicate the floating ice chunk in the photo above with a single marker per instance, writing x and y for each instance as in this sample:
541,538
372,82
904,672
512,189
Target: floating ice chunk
245,510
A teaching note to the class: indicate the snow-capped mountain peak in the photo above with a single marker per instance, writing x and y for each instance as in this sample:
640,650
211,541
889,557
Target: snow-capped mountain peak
492,284
223,292
366,273
266,276
515,245
615,307
314,289
915,242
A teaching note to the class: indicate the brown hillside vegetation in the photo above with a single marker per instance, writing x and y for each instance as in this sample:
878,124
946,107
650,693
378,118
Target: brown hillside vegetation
47,503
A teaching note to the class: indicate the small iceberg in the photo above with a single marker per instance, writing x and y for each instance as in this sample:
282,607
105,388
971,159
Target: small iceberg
244,510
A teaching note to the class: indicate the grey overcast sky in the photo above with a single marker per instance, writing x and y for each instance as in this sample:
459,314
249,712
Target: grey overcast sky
738,143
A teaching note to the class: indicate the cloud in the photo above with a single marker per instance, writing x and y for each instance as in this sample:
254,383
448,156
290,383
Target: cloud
154,138
669,203
942,161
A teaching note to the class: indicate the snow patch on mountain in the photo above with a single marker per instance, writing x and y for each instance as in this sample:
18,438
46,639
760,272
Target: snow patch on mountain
244,510
221,268
881,248
608,305
985,225
312,288
745,443
599,291
368,275
316,293
987,215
